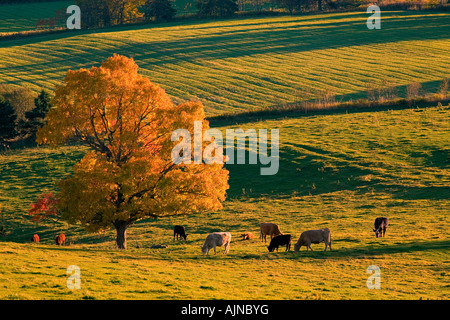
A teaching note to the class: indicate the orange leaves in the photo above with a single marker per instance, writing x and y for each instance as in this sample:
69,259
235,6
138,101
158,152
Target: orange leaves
110,108
44,207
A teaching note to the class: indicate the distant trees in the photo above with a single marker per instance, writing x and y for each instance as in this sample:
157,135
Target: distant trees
158,10
313,5
21,113
290,5
94,13
103,13
7,121
302,5
124,11
443,87
216,8
43,208
34,119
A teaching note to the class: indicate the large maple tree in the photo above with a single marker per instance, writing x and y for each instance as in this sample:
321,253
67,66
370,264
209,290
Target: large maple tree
128,174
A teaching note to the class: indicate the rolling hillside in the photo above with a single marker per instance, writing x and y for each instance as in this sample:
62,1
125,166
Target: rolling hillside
251,64
337,171
24,16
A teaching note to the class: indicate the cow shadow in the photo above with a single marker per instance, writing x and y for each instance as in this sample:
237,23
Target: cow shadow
370,250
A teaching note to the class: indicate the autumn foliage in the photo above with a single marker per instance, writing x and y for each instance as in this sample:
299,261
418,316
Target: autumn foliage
127,121
44,207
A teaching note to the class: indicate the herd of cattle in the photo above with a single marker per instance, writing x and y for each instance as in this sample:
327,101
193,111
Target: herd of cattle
219,239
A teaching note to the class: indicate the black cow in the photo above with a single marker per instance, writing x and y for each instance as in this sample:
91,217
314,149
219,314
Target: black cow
281,240
381,224
179,231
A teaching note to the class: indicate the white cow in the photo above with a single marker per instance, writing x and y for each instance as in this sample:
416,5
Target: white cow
217,239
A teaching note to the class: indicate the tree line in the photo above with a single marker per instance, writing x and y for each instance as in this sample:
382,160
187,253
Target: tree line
103,13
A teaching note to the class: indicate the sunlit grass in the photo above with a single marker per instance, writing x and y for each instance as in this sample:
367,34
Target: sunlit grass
337,171
252,63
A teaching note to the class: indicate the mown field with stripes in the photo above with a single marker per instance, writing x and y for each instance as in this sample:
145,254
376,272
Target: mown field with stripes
250,64
24,16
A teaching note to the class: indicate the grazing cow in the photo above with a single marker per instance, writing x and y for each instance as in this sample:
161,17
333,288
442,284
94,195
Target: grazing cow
281,240
60,240
381,224
217,239
314,236
35,238
179,231
247,236
270,229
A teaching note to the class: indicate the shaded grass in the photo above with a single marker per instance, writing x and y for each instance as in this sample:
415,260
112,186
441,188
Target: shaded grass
405,153
24,16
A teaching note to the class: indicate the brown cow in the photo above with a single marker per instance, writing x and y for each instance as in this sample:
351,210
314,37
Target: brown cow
270,229
247,236
314,236
60,240
35,238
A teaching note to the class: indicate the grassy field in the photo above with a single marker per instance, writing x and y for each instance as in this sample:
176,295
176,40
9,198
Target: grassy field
253,63
338,171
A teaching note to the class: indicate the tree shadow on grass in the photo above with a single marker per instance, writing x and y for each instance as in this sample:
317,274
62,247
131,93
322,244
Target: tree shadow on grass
302,173
372,249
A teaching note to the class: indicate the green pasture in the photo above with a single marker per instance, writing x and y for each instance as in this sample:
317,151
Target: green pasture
24,16
336,170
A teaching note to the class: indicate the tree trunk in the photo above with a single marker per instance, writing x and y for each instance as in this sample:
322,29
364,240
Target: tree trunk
121,229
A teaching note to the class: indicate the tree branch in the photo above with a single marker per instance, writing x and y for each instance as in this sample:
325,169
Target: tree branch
142,192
